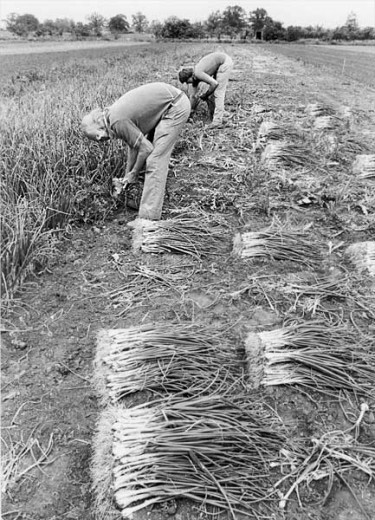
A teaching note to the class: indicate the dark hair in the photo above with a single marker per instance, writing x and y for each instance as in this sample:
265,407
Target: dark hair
185,73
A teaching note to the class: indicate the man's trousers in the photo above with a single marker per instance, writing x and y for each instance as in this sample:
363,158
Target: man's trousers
166,134
222,77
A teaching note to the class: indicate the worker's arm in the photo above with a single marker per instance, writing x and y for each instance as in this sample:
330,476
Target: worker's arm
131,158
136,160
194,98
143,149
139,148
206,78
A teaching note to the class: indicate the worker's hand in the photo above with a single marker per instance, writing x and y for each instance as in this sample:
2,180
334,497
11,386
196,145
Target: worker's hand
204,96
131,177
118,185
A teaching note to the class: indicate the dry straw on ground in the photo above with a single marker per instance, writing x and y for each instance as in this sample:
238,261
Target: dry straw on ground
315,294
20,458
335,453
326,286
313,354
144,284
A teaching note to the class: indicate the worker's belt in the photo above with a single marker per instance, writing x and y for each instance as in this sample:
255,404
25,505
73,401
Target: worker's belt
177,98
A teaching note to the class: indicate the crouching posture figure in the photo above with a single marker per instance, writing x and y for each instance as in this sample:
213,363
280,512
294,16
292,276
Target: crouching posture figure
149,119
213,69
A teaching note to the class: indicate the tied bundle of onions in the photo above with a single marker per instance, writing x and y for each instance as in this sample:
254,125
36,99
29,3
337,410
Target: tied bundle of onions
284,153
195,236
312,354
326,123
320,110
279,244
273,131
214,450
364,166
362,255
164,358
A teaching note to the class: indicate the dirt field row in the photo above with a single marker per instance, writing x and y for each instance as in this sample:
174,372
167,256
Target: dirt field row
50,409
346,62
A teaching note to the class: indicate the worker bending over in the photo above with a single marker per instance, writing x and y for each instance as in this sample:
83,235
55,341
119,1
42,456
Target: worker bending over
149,120
213,69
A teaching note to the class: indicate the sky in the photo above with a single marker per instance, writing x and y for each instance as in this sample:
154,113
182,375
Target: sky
328,13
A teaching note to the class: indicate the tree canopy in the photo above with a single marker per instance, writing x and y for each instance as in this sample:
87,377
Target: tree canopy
96,23
140,22
214,24
22,24
233,22
258,19
118,24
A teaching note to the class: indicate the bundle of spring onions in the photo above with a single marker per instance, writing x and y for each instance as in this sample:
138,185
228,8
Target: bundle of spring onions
273,131
326,143
279,244
326,123
195,236
353,144
312,354
320,109
284,153
214,450
102,466
160,358
362,255
364,166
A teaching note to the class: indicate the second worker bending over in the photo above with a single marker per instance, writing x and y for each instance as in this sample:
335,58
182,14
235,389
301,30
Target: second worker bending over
213,69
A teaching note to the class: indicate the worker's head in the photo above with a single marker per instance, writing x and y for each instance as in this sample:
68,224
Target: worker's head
185,73
94,127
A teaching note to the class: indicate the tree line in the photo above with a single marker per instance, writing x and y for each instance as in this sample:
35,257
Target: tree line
233,22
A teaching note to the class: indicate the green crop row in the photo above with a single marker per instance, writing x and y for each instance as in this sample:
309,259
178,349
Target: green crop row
51,176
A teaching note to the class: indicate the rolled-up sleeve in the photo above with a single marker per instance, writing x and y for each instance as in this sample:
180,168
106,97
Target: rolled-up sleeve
128,132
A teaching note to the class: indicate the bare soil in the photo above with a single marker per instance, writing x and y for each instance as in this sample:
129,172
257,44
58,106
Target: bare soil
49,336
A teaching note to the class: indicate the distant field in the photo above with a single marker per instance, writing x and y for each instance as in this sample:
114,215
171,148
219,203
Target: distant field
16,59
369,49
352,62
22,47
